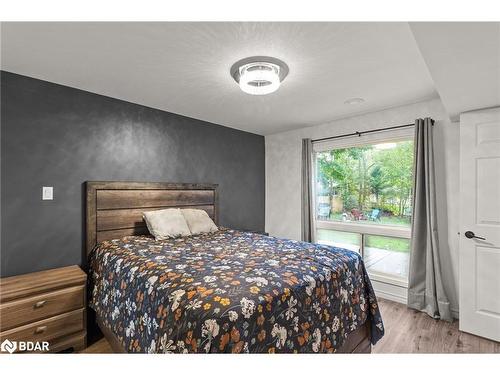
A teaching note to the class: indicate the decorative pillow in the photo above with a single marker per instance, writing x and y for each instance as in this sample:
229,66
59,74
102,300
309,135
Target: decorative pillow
168,223
198,221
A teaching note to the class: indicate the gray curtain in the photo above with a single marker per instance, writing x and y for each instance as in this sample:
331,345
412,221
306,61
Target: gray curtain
425,286
307,218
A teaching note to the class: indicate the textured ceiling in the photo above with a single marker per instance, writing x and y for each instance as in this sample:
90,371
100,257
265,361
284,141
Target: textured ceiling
184,67
464,62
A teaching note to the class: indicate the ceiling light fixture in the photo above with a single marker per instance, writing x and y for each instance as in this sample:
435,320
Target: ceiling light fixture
353,101
259,75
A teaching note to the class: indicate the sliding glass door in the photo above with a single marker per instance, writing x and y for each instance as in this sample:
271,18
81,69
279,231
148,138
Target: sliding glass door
363,199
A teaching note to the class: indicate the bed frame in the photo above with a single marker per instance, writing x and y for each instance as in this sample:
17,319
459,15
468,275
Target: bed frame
114,209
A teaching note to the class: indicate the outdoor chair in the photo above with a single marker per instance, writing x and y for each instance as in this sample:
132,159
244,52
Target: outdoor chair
357,214
324,211
375,215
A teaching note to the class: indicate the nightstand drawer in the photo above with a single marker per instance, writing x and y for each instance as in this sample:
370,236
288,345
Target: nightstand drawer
27,310
47,329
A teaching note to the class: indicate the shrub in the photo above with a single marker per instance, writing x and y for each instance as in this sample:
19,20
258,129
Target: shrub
350,202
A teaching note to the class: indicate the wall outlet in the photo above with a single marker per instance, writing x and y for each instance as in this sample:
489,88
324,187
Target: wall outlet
47,193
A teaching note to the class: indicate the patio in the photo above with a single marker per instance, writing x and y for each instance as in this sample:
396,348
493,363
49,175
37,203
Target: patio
379,260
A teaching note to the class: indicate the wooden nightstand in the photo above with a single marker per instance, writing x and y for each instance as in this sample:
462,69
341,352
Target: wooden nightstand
45,306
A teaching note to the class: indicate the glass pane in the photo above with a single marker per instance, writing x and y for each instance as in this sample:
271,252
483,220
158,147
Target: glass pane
345,240
388,255
370,184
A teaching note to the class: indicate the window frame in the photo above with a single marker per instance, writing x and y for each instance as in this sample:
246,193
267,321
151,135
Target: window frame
360,228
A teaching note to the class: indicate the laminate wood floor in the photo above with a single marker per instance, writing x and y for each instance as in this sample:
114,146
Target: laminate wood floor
410,331
406,331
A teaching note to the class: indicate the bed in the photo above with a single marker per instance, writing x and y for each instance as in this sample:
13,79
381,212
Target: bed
224,292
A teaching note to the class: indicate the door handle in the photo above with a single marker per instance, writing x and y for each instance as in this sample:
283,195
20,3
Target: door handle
471,235
39,304
40,329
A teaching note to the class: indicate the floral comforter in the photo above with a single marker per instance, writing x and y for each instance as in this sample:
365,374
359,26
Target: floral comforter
230,291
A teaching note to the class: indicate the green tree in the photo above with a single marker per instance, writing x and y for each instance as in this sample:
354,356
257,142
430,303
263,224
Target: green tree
363,157
378,183
359,173
334,174
397,167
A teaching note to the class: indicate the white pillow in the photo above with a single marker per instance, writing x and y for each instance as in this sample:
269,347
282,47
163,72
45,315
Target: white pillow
168,223
198,221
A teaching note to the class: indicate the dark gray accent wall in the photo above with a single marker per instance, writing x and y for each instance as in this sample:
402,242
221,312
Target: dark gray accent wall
52,135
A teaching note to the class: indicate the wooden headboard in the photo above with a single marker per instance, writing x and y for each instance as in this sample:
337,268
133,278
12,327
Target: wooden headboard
114,209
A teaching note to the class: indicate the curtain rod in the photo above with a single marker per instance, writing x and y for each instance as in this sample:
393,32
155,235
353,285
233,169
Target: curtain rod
365,132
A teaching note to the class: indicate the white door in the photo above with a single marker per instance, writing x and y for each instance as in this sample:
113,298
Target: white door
479,272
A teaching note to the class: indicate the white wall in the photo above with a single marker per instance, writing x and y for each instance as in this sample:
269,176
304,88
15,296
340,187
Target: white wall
283,175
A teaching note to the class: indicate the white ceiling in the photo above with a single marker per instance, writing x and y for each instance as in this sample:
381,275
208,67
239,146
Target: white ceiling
464,61
184,67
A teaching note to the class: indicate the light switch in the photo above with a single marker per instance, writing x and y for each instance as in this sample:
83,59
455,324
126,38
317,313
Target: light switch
47,193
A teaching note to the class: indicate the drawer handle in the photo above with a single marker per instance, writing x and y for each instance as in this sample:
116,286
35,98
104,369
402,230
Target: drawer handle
39,304
40,329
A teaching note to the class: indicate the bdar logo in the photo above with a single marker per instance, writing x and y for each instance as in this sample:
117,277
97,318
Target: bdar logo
8,346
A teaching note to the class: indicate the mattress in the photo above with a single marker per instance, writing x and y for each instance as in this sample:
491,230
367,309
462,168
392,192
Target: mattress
230,291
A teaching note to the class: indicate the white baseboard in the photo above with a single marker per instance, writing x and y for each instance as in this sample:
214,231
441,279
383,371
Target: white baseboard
398,294
392,297
390,292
